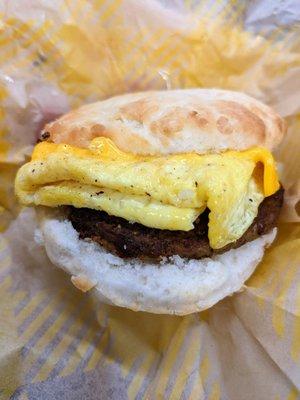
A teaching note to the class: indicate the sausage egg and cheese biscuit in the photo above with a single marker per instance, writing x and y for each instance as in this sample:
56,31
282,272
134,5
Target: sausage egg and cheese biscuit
170,196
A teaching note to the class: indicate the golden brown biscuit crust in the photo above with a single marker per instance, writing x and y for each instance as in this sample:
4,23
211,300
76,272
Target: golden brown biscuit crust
174,121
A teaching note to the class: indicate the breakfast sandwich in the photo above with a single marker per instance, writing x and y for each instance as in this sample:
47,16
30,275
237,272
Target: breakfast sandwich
161,201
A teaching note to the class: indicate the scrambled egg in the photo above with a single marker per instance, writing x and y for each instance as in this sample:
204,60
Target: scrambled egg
164,192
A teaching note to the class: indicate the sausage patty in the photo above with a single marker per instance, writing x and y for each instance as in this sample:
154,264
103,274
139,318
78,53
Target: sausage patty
135,240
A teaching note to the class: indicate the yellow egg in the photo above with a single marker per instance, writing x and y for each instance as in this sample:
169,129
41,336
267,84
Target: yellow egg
164,192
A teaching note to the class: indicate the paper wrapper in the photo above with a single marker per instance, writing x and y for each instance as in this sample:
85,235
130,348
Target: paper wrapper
57,343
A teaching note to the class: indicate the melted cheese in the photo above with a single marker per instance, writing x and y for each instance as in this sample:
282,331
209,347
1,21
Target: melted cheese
164,192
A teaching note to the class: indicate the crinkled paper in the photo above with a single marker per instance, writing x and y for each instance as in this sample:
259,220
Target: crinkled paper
57,343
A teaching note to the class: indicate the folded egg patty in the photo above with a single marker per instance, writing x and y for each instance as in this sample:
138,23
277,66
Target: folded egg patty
171,196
